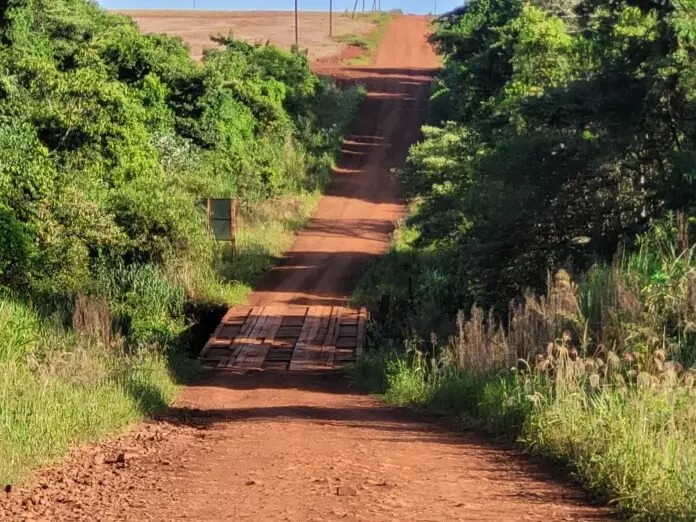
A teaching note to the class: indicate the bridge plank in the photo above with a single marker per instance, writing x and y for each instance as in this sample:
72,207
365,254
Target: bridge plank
282,337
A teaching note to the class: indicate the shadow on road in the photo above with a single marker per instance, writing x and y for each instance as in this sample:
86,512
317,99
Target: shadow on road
359,418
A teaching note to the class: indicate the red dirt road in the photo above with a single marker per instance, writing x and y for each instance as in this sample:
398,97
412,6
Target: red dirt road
357,215
287,446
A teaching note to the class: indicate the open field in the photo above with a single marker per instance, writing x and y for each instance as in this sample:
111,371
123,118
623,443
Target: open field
276,27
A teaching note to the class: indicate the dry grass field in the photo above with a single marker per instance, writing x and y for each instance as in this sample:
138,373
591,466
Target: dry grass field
276,27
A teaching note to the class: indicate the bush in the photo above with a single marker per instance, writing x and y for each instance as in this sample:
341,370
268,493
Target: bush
529,162
112,138
14,248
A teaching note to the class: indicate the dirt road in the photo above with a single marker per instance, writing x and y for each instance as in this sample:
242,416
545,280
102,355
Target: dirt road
287,446
358,213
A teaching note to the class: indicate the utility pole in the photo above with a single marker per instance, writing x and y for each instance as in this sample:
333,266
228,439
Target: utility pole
331,18
297,29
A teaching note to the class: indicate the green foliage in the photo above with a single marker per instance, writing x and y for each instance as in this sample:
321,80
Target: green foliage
77,396
372,370
636,448
18,327
112,137
14,249
558,131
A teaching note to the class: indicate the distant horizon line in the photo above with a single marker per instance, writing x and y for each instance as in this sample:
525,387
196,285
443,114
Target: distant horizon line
255,9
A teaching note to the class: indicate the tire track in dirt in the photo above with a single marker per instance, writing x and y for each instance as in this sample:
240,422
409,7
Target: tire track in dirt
302,447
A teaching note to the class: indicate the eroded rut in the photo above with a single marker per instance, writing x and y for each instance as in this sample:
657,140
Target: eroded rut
292,446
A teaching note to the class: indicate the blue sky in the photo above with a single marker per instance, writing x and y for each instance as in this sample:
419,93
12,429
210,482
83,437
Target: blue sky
408,6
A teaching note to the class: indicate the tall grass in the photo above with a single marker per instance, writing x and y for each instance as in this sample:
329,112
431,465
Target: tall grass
599,374
58,388
636,448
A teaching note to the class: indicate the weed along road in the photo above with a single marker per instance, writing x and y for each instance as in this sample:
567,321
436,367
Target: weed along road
284,445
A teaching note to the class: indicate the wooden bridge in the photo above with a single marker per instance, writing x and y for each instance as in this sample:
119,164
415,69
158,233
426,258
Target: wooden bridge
286,337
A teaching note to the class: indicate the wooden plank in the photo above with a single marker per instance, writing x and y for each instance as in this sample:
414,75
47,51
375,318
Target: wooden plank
247,346
237,313
233,225
213,342
245,335
362,325
293,322
218,339
306,347
274,316
215,354
279,354
343,355
247,331
295,313
281,344
289,332
252,355
315,355
350,317
278,366
229,332
235,321
328,350
346,342
348,330
282,337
